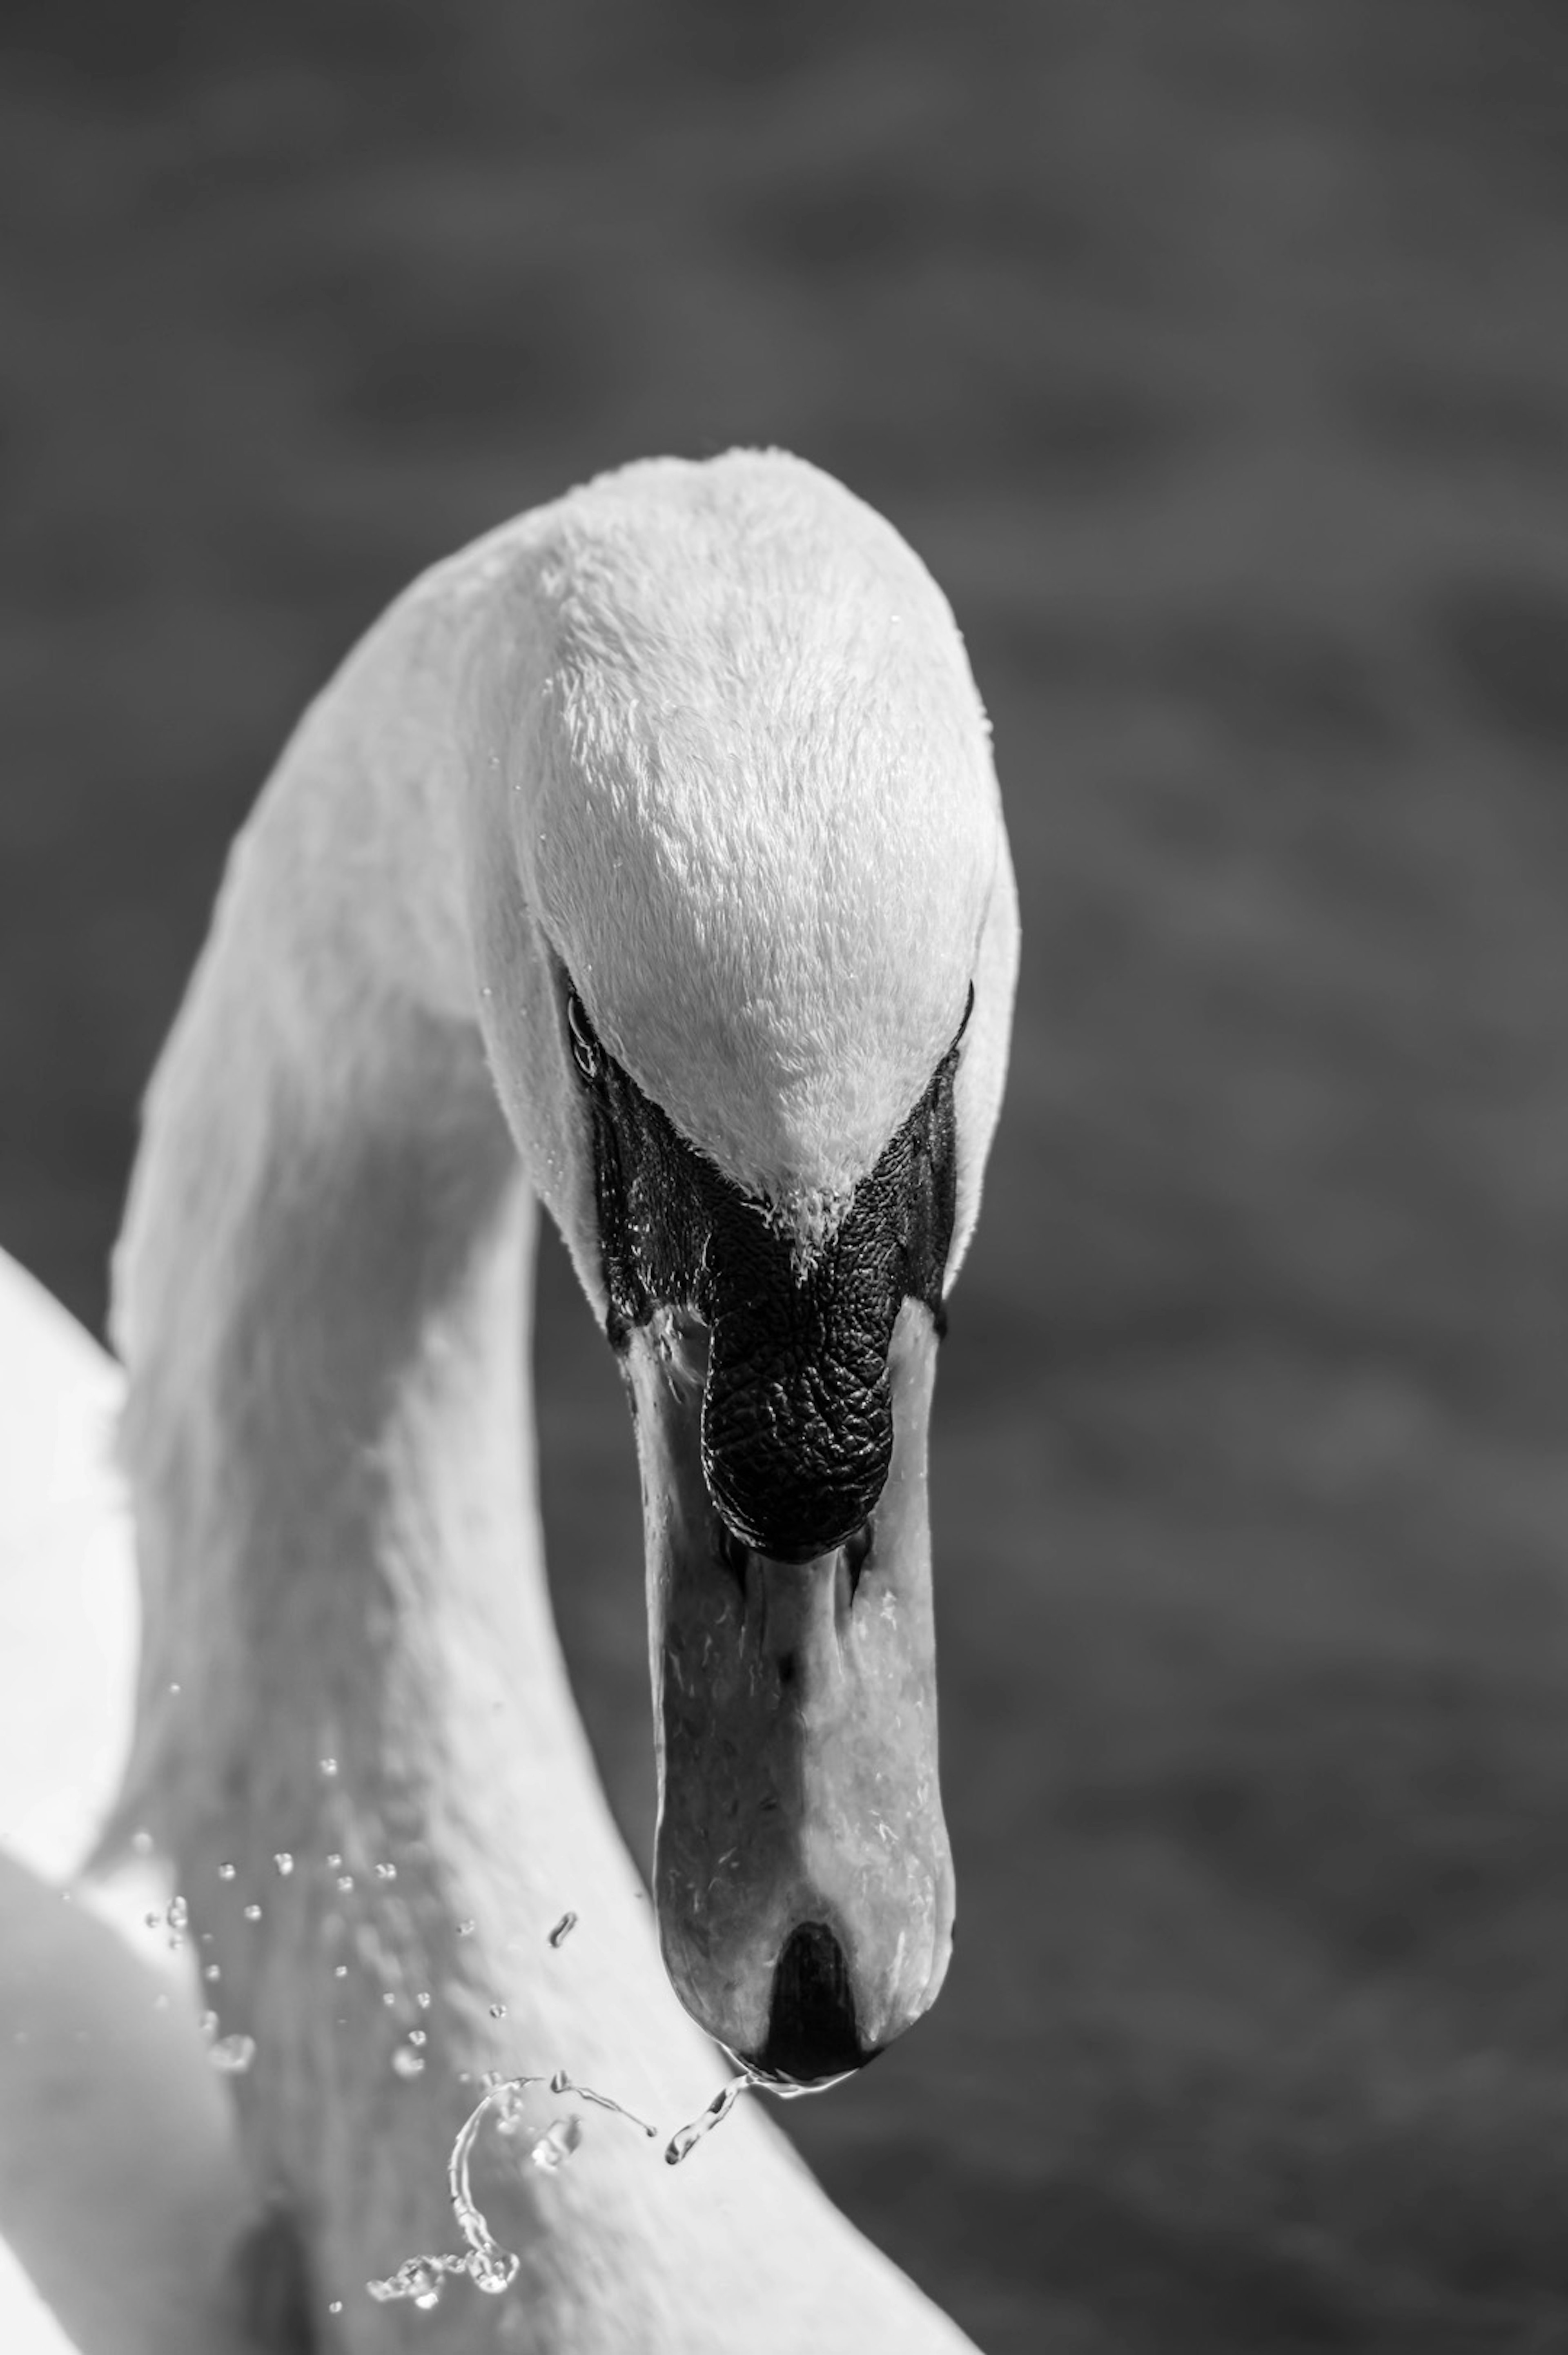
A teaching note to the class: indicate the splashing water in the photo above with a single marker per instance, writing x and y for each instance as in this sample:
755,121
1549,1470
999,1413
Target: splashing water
556,2145
418,2278
488,2265
561,2084
683,2142
563,1929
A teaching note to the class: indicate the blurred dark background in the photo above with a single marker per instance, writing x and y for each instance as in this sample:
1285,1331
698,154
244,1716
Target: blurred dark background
1216,357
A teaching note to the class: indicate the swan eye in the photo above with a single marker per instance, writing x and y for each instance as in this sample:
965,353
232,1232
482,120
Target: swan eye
585,1051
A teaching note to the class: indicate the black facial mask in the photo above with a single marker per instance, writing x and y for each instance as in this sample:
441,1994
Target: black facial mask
796,1413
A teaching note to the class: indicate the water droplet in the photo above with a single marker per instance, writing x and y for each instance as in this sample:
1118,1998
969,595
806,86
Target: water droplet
422,1998
492,2270
213,1972
226,1872
173,1689
329,1767
333,1861
561,2084
418,2036
141,1843
335,2306
345,1881
388,1999
497,2011
406,2064
154,1920
417,2277
466,1929
340,1971
682,2144
282,1864
233,2055
386,1872
563,1929
178,1915
556,2145
251,1912
207,2024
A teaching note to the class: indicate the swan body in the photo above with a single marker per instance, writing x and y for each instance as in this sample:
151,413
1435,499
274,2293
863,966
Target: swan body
645,861
121,2188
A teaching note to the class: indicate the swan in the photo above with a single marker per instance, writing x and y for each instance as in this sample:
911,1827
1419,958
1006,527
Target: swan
645,862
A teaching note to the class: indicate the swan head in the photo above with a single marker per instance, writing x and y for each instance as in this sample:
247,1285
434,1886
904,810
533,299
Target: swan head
748,939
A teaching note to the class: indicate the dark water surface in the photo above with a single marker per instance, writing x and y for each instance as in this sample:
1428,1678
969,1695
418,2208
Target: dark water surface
1217,360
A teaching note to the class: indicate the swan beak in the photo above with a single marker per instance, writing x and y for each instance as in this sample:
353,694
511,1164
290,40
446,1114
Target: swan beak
803,1877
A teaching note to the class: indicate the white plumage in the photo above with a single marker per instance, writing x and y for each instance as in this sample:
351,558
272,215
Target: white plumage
572,743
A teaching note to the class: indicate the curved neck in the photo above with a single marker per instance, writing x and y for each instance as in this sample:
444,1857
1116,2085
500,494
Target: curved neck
349,1653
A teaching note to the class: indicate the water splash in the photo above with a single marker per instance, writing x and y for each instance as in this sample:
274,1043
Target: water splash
685,2140
556,2145
488,2265
420,2278
561,2084
563,1929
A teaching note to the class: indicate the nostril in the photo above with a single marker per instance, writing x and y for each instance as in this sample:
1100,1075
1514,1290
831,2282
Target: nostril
811,2031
